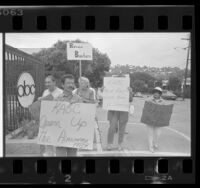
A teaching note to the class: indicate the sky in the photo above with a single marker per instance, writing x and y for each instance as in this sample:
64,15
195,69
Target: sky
138,49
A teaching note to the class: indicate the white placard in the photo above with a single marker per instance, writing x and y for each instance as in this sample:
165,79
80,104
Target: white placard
79,51
116,93
65,125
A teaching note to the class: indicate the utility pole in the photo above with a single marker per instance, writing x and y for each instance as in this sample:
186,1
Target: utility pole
80,69
187,62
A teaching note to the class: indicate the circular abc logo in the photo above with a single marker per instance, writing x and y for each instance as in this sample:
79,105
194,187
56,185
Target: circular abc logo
25,89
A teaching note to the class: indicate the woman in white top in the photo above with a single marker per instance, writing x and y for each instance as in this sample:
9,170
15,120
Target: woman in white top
153,131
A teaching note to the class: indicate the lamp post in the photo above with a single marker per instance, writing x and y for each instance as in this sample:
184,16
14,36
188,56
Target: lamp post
187,62
186,68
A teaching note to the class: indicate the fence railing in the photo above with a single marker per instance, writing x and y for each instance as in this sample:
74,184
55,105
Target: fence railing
16,62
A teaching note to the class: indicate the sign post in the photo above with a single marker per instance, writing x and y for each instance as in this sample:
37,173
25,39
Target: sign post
79,51
80,70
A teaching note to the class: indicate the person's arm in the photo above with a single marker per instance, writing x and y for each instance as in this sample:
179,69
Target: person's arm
130,94
74,91
43,95
90,99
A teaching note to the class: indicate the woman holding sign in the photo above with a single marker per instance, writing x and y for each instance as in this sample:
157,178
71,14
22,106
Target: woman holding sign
84,91
117,119
153,130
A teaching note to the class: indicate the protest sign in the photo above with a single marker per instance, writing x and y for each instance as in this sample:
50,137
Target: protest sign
116,93
79,51
67,125
156,114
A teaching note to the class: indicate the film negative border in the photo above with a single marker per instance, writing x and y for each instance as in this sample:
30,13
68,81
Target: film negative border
91,19
105,169
96,170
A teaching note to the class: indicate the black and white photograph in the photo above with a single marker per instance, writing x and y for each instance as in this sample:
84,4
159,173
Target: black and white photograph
1,94
97,94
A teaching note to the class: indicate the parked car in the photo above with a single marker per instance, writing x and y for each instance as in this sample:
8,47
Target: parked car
138,94
168,95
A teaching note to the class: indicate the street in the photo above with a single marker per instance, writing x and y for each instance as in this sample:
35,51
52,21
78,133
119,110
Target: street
174,140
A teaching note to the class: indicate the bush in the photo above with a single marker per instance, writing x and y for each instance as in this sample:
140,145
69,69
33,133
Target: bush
30,128
139,86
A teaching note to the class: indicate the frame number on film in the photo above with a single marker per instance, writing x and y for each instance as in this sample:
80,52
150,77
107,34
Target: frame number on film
11,12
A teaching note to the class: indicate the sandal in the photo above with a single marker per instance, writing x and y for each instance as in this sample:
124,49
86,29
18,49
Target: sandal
109,148
151,149
155,146
120,148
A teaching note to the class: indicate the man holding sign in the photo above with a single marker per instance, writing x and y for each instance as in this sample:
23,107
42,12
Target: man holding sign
64,122
67,95
116,98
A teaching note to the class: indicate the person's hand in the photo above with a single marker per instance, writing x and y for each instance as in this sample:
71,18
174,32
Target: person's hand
39,98
129,89
103,87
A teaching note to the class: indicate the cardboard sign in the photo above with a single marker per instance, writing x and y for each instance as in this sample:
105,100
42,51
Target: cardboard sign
67,125
35,107
116,94
79,51
156,114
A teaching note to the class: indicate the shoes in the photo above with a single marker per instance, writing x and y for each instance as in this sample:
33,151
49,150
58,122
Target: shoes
151,149
48,154
45,154
109,147
120,148
155,146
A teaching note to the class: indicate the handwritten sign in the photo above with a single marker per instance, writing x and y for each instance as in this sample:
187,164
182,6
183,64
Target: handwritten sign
116,94
156,114
79,51
67,125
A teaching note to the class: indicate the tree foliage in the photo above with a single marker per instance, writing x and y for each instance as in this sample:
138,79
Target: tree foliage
55,59
139,86
174,83
146,81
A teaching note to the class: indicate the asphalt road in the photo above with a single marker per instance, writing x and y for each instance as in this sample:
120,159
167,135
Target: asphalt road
174,140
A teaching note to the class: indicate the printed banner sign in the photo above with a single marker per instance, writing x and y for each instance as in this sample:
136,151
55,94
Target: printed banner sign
79,51
156,114
116,93
67,125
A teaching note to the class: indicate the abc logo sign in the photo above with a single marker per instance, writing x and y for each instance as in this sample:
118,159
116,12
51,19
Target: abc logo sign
25,89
